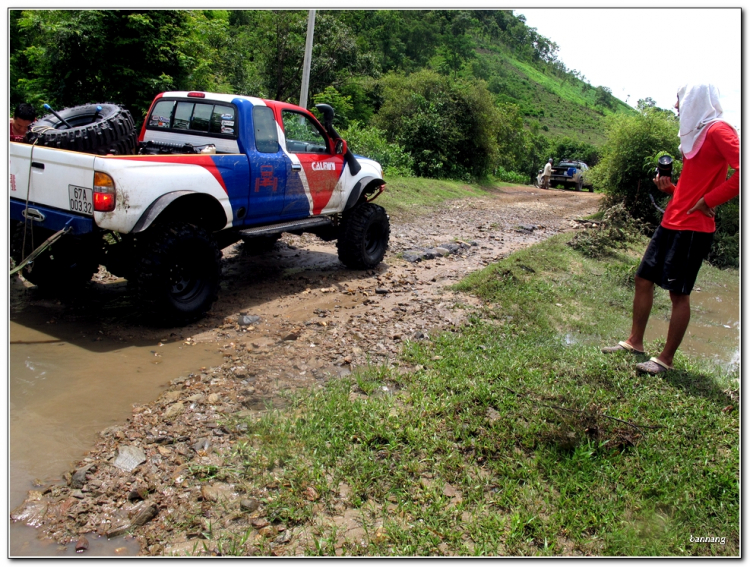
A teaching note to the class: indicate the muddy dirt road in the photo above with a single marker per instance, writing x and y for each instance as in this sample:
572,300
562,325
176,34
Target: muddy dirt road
288,319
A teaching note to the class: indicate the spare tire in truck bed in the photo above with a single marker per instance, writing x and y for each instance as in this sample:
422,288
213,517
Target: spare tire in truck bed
102,129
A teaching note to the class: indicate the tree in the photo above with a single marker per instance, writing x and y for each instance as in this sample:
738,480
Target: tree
457,46
644,103
70,57
603,96
341,104
626,168
449,127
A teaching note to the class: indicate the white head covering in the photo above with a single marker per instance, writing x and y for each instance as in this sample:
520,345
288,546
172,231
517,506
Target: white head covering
699,107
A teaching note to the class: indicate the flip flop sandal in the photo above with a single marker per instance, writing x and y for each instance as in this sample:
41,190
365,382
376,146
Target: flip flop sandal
653,366
622,345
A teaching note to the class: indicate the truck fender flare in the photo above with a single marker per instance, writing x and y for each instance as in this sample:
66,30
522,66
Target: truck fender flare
155,209
361,186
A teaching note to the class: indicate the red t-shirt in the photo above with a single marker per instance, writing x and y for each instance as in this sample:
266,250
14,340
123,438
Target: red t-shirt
705,175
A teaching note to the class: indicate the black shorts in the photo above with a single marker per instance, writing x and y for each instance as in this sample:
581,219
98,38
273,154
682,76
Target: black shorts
673,258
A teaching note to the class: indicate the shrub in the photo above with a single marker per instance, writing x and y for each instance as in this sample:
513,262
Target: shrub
725,251
567,148
616,230
510,176
625,171
448,126
371,142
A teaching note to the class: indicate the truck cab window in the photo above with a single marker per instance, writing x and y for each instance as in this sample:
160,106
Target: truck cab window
182,115
302,134
161,117
266,136
222,120
201,117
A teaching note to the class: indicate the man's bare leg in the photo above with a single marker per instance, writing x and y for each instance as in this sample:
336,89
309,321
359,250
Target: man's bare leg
678,324
642,303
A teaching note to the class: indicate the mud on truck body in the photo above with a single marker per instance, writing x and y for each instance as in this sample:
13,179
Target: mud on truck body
208,170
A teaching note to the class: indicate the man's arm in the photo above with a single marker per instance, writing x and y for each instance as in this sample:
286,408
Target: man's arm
728,145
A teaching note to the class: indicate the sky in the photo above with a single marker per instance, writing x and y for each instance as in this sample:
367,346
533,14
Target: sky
643,52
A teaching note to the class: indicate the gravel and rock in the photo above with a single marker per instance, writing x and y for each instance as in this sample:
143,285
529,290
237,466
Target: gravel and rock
287,320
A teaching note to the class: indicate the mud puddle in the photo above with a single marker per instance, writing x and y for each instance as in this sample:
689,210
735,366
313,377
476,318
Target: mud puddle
68,381
714,330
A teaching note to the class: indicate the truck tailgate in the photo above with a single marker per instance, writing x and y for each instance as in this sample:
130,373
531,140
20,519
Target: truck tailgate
52,172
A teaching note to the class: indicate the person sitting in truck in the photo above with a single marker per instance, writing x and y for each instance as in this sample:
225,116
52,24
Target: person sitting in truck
23,117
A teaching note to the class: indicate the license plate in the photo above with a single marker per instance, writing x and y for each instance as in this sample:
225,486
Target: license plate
81,200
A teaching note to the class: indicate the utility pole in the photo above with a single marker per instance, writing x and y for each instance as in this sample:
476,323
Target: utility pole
308,57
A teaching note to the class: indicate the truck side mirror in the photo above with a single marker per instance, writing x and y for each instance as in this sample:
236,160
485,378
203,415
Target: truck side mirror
340,147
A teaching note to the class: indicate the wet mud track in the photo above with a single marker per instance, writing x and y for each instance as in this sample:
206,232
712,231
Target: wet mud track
289,319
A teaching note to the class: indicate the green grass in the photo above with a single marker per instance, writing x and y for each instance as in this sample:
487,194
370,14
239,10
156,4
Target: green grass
412,195
514,435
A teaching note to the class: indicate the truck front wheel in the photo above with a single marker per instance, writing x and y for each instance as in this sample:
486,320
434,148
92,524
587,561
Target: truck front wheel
364,236
179,272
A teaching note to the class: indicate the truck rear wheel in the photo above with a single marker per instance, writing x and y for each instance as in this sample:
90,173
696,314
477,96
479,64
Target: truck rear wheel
108,131
65,266
179,272
364,236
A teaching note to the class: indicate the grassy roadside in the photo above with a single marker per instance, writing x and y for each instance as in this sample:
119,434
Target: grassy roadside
513,435
406,196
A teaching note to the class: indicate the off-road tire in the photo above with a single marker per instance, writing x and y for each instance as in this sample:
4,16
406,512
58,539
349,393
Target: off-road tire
364,236
257,245
67,265
579,185
178,272
112,131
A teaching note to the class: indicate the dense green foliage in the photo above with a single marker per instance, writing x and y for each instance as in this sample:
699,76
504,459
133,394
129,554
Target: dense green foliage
491,95
725,252
449,127
628,159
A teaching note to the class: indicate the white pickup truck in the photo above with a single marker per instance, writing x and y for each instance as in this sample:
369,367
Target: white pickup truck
208,170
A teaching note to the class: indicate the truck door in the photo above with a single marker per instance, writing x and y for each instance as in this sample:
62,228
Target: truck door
313,182
268,169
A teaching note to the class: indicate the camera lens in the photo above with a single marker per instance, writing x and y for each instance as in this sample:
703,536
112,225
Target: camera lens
665,166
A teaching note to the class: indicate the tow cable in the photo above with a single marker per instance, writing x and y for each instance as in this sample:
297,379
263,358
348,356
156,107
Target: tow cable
31,257
51,240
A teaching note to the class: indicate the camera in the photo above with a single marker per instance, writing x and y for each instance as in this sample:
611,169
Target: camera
664,166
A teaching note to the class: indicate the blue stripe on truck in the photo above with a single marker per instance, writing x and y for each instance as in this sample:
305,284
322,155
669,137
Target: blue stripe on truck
54,219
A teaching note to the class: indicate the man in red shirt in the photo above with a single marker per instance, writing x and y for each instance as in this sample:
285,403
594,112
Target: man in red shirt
23,116
709,146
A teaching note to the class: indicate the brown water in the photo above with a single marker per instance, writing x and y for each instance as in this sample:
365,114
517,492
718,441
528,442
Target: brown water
67,383
714,330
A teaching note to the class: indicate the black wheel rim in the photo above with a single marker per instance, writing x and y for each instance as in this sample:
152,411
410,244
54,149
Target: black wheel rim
185,284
